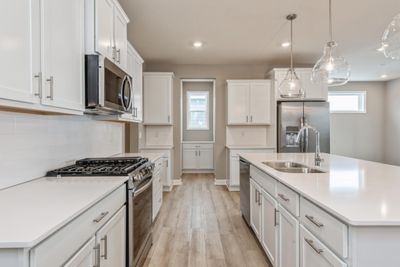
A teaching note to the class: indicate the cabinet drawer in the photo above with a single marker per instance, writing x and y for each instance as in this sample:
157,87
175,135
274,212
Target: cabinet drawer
198,146
158,164
267,182
59,247
314,253
330,230
288,198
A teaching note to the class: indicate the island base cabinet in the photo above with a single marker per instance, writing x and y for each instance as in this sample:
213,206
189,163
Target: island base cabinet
314,254
85,257
269,227
288,239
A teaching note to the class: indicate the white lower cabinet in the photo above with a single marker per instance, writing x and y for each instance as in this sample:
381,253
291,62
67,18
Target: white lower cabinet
168,171
255,208
313,253
157,186
97,236
198,157
288,239
270,227
85,257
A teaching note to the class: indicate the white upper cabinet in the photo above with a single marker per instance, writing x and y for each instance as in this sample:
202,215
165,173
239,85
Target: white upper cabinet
39,69
106,30
63,53
158,87
249,102
135,70
312,91
19,51
103,18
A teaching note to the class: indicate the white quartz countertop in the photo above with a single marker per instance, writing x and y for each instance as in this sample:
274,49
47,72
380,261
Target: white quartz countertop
359,192
151,156
32,211
249,147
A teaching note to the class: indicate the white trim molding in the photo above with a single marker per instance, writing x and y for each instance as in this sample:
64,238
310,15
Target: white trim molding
220,181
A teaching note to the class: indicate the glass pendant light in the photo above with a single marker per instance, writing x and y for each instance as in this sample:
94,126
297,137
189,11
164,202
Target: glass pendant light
291,86
331,68
391,39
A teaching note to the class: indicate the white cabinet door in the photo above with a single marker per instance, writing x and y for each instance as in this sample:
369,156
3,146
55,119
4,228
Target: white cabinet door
234,171
19,50
63,53
238,103
85,257
270,228
189,159
260,108
120,38
288,239
314,253
312,90
112,240
138,89
104,28
157,99
206,159
255,208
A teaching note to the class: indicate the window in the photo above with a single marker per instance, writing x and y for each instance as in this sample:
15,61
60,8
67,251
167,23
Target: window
197,110
347,101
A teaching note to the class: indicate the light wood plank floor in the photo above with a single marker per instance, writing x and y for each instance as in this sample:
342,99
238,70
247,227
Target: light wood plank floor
200,224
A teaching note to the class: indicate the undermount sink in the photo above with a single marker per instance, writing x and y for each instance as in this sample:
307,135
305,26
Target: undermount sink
291,167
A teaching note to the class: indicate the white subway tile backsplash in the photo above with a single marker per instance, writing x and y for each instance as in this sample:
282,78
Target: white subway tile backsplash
30,145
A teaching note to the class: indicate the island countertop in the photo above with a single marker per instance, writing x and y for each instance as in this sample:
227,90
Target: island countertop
358,192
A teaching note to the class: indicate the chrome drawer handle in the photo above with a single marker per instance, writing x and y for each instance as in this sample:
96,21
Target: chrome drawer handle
100,217
311,243
97,255
311,219
282,196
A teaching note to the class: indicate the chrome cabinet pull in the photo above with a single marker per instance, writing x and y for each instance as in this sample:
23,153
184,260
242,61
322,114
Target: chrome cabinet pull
259,199
113,52
105,247
316,223
311,244
119,55
275,217
39,76
51,81
169,118
251,118
282,196
247,118
97,255
255,195
100,217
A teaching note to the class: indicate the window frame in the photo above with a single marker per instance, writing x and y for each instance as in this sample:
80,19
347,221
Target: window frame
362,101
188,110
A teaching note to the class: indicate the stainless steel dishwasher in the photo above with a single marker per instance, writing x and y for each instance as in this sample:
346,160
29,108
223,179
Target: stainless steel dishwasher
245,190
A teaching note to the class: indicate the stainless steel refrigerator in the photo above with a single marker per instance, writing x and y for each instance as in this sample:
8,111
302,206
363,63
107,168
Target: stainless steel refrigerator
292,116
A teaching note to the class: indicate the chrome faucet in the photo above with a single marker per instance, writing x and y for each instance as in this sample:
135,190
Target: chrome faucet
318,158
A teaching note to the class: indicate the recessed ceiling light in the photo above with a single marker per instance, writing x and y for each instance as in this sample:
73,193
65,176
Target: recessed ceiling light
285,44
197,44
384,76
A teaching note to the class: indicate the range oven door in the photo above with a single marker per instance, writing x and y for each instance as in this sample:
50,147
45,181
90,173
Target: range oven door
140,223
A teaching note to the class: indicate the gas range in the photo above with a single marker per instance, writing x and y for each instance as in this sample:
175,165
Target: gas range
138,169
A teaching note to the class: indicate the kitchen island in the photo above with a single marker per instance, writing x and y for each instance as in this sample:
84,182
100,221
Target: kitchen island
346,215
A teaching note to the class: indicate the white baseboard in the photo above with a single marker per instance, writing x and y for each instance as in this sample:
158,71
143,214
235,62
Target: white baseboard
234,188
220,181
198,171
177,181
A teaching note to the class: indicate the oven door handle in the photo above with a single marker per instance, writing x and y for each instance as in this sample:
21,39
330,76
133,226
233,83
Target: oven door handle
138,192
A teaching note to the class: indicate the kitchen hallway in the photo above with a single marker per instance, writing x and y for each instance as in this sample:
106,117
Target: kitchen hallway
200,224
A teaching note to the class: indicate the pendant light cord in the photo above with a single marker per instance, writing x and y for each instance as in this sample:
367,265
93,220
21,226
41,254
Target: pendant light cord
330,20
291,46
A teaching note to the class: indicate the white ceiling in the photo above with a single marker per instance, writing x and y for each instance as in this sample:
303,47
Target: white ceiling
250,32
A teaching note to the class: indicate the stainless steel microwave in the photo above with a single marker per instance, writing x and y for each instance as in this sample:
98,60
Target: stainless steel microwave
108,88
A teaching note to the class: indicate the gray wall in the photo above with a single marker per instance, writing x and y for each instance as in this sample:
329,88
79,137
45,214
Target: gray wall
221,73
198,135
392,122
361,135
